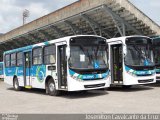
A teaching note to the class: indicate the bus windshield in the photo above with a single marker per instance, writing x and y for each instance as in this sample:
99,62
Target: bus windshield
88,55
139,52
156,50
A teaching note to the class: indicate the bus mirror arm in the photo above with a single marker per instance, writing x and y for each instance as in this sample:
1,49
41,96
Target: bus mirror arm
124,51
124,59
109,72
67,52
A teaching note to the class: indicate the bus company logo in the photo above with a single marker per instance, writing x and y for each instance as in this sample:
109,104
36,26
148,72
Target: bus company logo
142,72
88,76
40,73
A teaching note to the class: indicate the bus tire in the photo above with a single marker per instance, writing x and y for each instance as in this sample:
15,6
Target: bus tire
52,88
16,84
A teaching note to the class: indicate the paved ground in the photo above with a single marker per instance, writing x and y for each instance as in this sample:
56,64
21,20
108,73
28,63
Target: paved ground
139,99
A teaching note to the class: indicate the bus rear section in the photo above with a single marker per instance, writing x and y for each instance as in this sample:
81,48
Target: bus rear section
131,61
67,64
156,51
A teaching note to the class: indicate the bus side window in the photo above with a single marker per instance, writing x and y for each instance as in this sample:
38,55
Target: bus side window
13,59
49,54
1,67
37,56
19,59
7,60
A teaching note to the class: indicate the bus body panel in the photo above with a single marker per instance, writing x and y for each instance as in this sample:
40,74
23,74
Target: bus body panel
87,85
75,82
35,76
158,76
38,76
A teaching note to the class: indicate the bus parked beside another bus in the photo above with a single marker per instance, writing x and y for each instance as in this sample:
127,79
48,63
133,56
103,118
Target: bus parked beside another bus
156,51
131,61
71,64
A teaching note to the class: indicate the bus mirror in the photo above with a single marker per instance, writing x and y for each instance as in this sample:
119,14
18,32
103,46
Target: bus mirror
68,52
124,51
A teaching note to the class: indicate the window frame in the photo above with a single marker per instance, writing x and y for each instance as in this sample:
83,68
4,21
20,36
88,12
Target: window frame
9,61
18,59
1,67
49,54
32,59
14,60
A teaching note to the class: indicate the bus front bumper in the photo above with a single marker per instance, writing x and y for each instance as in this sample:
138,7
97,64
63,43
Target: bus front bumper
139,80
74,85
157,77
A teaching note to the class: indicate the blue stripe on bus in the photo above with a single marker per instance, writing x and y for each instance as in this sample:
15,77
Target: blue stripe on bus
88,76
1,68
157,70
139,72
38,71
19,49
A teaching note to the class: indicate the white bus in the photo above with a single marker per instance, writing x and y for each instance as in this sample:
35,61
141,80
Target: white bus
156,51
72,63
131,61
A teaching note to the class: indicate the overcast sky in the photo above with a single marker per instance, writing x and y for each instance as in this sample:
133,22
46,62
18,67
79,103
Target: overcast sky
11,10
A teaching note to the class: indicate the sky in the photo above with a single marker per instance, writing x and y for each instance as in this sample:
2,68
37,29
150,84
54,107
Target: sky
150,7
11,10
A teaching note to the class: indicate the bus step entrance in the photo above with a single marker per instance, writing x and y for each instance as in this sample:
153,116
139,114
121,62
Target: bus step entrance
62,67
64,89
118,82
116,63
28,87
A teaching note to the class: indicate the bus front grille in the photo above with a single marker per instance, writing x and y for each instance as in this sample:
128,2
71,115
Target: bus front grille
145,81
145,75
94,85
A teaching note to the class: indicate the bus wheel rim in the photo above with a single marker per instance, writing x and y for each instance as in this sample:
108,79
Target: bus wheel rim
51,87
16,84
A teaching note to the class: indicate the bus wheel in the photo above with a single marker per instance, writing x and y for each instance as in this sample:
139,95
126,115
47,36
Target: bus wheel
127,86
52,88
16,85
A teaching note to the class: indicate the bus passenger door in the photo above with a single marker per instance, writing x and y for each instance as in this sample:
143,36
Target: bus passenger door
116,64
62,66
27,69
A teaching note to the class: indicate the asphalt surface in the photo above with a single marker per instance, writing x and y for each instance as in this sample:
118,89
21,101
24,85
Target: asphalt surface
139,99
